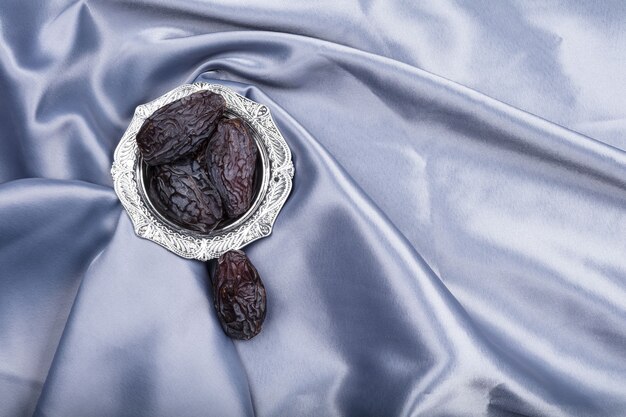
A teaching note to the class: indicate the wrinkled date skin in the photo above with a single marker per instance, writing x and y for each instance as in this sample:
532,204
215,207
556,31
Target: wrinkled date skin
180,127
239,295
231,157
182,192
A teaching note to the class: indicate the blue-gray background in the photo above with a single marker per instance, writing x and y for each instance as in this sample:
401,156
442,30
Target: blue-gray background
455,243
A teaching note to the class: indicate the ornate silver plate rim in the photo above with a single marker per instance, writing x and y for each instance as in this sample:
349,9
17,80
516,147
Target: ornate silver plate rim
277,180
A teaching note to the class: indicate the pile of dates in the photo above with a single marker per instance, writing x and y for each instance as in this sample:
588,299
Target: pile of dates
201,175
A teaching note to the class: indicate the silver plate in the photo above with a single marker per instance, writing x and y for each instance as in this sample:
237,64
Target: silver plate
273,185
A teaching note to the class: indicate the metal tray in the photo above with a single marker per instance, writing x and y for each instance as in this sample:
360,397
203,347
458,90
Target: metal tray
273,183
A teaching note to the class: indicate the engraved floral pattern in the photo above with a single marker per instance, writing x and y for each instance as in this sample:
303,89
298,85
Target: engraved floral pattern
277,179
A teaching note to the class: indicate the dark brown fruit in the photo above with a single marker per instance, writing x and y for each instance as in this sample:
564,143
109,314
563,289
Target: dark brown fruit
239,295
183,193
231,158
180,127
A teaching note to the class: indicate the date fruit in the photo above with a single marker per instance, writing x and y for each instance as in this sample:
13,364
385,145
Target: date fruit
231,157
183,193
239,295
180,127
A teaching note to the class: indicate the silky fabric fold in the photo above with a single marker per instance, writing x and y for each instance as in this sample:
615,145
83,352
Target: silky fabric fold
453,244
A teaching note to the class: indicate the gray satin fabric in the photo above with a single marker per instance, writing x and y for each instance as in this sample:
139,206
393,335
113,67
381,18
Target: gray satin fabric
453,245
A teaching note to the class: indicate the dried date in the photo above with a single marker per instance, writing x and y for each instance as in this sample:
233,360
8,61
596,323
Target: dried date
183,193
231,157
239,295
180,127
